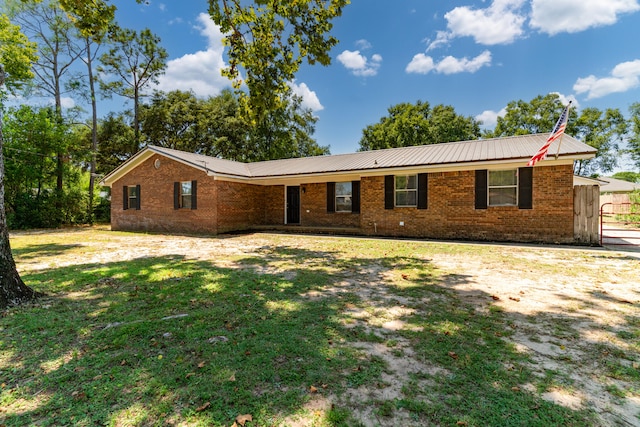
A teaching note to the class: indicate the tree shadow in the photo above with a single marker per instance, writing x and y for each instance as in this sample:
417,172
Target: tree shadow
43,250
173,340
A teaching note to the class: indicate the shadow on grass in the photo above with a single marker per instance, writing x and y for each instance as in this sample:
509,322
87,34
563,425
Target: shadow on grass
169,340
43,250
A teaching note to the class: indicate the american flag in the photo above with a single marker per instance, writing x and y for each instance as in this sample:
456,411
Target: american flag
557,132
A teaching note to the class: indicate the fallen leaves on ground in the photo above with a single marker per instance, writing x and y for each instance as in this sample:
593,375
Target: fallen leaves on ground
242,419
203,407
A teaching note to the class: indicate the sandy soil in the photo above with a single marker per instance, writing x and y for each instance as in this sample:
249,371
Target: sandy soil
597,304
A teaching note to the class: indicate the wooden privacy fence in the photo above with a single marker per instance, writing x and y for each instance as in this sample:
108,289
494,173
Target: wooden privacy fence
586,214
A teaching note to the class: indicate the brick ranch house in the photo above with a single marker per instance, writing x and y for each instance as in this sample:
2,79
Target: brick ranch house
476,190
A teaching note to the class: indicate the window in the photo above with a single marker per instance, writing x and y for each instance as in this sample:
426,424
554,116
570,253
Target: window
406,190
503,187
131,197
343,196
184,195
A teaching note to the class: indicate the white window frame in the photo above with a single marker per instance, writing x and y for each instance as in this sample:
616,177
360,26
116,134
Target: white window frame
184,194
132,194
513,187
346,198
406,190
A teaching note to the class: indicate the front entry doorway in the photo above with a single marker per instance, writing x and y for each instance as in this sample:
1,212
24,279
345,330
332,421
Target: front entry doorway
293,205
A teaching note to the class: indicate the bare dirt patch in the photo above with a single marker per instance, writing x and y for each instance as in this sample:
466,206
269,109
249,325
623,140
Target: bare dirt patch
568,309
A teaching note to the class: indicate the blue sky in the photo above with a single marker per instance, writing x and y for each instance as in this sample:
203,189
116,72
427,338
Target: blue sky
472,54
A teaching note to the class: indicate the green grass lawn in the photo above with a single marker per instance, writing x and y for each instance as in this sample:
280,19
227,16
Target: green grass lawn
280,333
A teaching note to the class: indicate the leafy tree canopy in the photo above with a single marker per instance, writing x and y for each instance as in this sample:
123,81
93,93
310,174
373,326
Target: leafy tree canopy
634,137
17,54
418,124
602,130
181,121
267,42
216,127
627,176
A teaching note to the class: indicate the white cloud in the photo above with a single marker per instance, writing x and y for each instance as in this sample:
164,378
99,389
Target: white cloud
442,38
198,72
363,44
309,97
358,63
571,16
624,76
489,118
67,102
501,23
423,64
564,99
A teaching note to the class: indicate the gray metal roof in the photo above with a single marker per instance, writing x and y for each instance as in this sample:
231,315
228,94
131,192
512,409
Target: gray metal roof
515,148
206,163
483,150
486,150
613,185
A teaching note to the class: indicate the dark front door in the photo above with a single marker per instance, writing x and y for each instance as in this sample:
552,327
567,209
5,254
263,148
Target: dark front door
293,205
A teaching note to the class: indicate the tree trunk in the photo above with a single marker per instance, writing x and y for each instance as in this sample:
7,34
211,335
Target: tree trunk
94,131
13,291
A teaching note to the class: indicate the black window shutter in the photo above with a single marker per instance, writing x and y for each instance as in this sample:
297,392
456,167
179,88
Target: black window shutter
525,188
423,183
125,198
481,189
355,196
138,197
176,195
331,197
194,194
389,192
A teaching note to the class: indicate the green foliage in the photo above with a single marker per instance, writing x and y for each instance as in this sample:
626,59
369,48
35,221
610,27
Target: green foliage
536,116
16,55
92,18
285,133
418,124
117,142
601,130
136,60
267,42
33,136
627,176
181,121
634,138
57,43
216,127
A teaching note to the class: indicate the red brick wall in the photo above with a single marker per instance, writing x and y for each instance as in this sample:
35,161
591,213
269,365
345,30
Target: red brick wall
228,206
451,213
313,202
156,194
222,205
242,206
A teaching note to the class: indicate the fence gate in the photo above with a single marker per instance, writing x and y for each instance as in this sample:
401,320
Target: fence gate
586,203
620,224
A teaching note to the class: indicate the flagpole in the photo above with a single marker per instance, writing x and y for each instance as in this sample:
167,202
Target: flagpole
559,142
561,136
